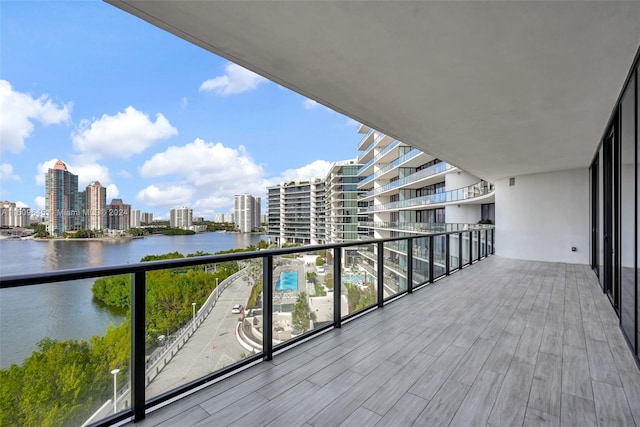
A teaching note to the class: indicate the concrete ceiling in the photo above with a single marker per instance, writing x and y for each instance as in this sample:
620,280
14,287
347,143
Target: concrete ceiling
497,88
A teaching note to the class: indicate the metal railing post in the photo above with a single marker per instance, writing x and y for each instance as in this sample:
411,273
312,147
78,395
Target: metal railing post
431,246
410,265
138,306
447,254
380,270
267,307
479,244
493,241
337,287
460,251
470,247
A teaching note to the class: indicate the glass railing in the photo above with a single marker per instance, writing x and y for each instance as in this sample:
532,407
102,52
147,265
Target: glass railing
364,138
423,228
424,173
482,188
406,157
191,321
378,156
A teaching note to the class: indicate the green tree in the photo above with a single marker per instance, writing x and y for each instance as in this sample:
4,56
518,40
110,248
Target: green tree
302,314
328,280
319,261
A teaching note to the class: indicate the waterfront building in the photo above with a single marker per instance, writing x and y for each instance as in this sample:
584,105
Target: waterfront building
228,217
95,207
147,218
63,204
181,217
247,212
135,218
14,216
118,215
296,212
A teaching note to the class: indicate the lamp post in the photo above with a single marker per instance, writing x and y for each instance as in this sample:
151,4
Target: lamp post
193,305
115,386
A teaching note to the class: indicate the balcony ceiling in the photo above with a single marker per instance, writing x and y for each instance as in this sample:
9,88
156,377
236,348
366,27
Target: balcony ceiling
496,88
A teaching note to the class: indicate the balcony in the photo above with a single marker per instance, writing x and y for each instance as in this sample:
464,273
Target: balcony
450,354
419,176
397,162
458,195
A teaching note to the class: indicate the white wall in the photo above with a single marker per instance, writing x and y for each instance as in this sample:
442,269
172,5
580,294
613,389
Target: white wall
459,179
465,214
543,216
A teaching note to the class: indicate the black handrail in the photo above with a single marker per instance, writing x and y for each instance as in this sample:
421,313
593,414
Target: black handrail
139,404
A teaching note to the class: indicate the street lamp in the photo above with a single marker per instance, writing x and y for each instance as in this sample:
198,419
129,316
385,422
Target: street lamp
115,386
193,305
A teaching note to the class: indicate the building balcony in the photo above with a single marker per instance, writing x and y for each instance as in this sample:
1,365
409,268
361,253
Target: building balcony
503,342
475,191
384,170
415,178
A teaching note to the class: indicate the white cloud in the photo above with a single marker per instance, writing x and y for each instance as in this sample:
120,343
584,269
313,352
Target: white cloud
165,196
87,173
315,169
205,164
39,203
214,173
122,135
112,192
125,174
235,80
6,173
21,204
310,104
19,110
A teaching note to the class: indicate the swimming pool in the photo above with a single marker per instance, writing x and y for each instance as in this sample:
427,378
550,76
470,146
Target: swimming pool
352,279
288,281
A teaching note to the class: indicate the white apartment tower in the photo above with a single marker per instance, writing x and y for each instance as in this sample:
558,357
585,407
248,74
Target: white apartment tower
95,206
247,212
135,218
181,217
407,191
14,216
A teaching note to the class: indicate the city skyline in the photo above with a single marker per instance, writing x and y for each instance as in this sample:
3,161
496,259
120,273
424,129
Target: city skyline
194,130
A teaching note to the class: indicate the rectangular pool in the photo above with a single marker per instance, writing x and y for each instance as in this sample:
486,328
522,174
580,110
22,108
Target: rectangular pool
288,281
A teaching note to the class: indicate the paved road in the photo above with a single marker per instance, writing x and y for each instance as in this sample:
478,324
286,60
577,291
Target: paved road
211,347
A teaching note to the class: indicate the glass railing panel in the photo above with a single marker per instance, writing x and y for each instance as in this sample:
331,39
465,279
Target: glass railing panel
454,251
466,255
302,293
359,281
439,256
197,321
420,260
395,268
483,243
474,246
59,348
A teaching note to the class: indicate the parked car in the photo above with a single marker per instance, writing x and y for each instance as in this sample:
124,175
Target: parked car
236,309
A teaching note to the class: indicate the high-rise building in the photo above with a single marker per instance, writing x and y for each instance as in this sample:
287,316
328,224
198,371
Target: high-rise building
296,212
228,217
181,217
134,221
14,216
247,212
118,215
62,201
95,206
147,217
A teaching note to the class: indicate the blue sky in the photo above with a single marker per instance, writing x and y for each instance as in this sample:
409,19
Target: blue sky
159,122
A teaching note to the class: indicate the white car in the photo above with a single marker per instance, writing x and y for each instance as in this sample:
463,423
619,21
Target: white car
236,309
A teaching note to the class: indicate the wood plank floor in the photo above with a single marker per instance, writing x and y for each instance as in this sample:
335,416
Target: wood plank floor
500,343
